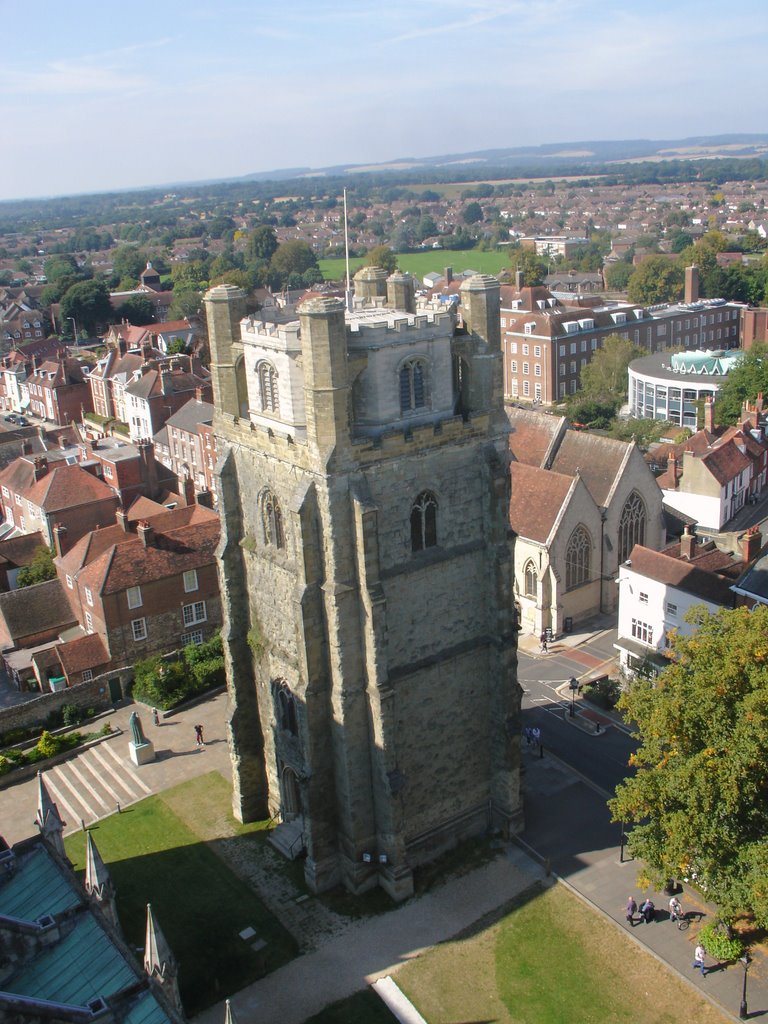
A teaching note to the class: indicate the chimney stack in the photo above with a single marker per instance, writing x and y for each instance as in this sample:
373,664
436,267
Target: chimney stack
709,413
691,293
40,467
188,491
146,533
166,381
26,447
60,539
448,275
121,516
687,544
672,469
751,542
519,279
122,345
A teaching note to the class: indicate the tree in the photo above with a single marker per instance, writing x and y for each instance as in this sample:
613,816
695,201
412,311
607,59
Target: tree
88,303
137,310
60,266
699,798
617,275
605,376
473,213
128,262
657,279
186,302
176,346
533,267
40,569
382,256
292,258
744,382
261,244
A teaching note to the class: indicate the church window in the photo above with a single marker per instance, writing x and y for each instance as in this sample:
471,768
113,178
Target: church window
631,525
531,579
424,522
272,521
268,393
285,704
577,558
413,385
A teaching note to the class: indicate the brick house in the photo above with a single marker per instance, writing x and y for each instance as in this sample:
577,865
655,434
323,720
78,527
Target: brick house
38,495
146,587
58,391
547,343
107,380
186,444
157,336
158,390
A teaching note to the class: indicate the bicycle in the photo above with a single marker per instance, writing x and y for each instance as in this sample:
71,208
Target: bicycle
681,920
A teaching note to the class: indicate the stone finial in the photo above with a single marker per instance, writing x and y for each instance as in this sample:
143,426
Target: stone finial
159,962
48,819
229,1013
98,882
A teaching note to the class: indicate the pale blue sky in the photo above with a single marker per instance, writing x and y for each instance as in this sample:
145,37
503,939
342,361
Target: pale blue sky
106,95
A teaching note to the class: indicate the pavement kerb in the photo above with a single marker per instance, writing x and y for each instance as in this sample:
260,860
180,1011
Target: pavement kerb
582,778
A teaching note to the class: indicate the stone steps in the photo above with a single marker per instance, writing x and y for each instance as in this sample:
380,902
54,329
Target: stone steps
288,838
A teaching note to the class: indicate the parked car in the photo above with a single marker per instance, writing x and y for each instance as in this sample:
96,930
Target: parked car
11,419
21,421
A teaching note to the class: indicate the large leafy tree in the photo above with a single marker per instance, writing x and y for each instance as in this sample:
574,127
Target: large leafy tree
382,256
137,310
699,798
606,375
88,303
657,279
261,244
745,381
534,268
294,257
40,569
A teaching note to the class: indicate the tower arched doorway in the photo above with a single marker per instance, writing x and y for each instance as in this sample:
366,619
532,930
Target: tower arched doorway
291,794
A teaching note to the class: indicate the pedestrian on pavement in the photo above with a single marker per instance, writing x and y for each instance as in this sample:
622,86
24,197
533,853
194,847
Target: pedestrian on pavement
675,909
199,737
631,911
698,960
544,649
536,734
648,911
155,716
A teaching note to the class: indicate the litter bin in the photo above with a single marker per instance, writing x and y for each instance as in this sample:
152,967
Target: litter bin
568,624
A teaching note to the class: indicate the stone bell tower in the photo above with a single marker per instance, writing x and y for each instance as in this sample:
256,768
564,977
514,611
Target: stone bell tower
366,577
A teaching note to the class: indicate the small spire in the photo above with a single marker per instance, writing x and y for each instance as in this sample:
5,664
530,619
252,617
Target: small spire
229,1013
158,961
48,819
97,879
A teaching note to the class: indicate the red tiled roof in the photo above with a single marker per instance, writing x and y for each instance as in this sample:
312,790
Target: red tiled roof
84,652
597,459
725,462
532,434
536,499
708,575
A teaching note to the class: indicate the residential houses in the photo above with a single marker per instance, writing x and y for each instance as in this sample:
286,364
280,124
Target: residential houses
186,445
58,390
658,589
158,337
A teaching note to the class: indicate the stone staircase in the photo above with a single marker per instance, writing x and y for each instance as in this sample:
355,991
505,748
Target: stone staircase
288,838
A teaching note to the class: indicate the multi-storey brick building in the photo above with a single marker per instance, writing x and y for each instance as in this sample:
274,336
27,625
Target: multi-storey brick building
547,344
58,390
186,445
366,572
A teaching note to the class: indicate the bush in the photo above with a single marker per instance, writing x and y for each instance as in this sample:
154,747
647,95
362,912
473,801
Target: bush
5,765
718,943
70,714
47,745
165,684
604,692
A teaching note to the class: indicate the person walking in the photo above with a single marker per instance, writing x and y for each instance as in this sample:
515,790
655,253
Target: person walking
199,737
675,909
698,960
648,911
155,716
631,911
536,733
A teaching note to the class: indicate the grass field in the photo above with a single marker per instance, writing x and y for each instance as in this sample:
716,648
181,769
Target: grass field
157,853
421,263
549,961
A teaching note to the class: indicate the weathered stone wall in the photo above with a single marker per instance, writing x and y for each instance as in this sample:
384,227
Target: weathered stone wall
93,694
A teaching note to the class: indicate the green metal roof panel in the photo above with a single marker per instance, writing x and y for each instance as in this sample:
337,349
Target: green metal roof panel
36,887
81,966
146,1011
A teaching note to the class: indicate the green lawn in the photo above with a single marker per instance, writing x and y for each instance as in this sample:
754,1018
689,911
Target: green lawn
549,961
433,260
157,854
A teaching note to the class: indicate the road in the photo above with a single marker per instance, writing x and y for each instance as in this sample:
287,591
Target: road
602,759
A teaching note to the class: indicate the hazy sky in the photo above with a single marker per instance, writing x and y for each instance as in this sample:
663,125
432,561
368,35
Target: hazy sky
114,95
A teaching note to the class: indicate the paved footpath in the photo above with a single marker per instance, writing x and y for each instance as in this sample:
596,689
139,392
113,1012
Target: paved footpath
89,786
375,947
567,822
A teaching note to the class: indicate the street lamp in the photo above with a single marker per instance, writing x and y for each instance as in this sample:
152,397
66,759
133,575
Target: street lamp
745,961
74,328
574,686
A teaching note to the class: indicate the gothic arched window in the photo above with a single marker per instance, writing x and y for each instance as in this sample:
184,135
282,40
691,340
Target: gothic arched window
413,390
531,579
285,708
272,520
424,522
268,393
577,558
631,525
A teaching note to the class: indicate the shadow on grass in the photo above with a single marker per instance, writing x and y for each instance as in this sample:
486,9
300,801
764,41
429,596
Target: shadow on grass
199,903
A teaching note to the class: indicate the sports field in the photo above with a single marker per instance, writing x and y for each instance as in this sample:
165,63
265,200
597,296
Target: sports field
433,260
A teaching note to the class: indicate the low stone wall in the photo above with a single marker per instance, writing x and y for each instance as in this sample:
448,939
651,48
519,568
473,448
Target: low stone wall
28,771
93,694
